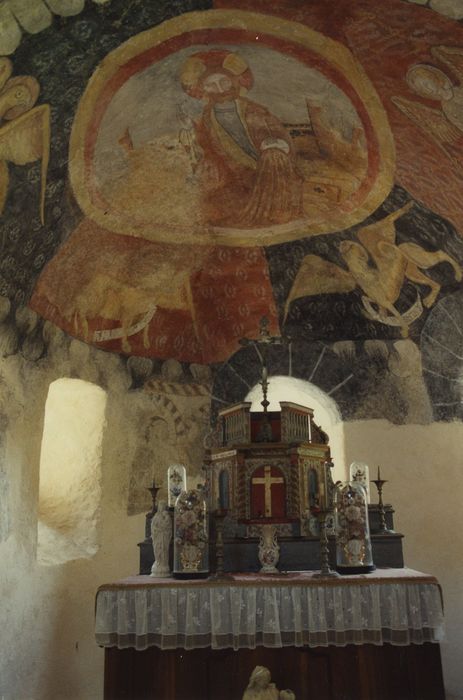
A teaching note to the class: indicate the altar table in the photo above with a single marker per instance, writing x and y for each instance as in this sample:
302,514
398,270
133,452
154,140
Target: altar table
363,637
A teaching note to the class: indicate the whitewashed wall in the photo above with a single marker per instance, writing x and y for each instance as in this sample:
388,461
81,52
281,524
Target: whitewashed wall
46,616
424,468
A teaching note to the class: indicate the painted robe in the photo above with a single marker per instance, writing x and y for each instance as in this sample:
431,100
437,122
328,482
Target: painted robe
248,166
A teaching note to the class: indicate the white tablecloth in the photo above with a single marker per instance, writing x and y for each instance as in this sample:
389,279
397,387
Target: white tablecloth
396,606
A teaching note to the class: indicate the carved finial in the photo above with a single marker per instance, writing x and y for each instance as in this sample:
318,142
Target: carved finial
261,345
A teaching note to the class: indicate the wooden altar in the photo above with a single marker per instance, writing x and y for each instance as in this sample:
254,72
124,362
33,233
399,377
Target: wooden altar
332,673
369,637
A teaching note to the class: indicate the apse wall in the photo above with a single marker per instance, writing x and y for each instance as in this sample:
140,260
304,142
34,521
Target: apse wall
140,251
56,657
422,465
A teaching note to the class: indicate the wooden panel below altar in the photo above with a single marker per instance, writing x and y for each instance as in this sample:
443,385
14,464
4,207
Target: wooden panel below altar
361,637
364,672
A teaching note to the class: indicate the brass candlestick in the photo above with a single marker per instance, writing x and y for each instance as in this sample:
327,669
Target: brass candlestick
379,483
325,570
326,506
219,516
153,489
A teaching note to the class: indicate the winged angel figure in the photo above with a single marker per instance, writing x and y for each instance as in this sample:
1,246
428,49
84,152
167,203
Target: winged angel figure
443,124
377,265
24,129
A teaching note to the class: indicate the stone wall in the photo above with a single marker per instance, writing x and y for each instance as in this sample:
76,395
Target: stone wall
48,609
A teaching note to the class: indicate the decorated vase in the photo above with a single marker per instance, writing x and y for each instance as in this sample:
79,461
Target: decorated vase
269,550
191,535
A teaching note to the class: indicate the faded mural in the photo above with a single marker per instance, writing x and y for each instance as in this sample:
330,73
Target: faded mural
25,130
170,425
196,153
250,143
200,172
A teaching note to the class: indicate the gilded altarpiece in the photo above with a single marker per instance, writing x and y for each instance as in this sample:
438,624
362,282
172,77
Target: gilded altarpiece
275,481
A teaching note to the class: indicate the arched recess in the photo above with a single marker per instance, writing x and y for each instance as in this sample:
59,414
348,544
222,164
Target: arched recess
355,374
326,411
70,471
315,362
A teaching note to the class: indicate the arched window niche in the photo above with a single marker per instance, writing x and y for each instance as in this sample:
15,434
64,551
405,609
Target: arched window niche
326,412
70,471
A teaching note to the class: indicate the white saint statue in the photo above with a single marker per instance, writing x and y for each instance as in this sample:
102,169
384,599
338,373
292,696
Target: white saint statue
161,533
260,687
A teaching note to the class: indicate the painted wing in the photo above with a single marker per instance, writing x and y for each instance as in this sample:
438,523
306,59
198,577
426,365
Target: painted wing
26,139
432,121
452,56
6,69
426,258
374,236
318,276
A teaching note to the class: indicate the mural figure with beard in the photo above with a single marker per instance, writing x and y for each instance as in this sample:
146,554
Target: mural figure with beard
248,160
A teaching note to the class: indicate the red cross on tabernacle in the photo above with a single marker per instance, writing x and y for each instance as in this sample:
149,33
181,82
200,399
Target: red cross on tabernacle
268,480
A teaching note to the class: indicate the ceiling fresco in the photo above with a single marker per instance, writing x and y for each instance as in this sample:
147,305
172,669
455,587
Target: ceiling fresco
264,132
171,174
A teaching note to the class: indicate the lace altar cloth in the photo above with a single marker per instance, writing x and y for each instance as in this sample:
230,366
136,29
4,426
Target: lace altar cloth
395,606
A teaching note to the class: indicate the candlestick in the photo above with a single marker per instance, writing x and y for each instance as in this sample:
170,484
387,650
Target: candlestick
149,516
326,506
219,516
379,483
325,570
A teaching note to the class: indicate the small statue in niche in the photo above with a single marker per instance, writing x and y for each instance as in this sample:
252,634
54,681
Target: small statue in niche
260,687
161,533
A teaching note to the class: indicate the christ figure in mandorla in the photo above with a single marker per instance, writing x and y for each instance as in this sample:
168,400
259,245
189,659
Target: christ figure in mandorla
246,163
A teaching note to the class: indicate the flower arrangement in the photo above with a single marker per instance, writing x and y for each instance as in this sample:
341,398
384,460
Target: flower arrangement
351,527
191,536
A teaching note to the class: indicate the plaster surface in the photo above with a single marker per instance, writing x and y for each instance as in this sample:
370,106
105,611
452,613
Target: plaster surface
70,471
422,465
48,610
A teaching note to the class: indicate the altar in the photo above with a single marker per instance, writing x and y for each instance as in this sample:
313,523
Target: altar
266,496
362,637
